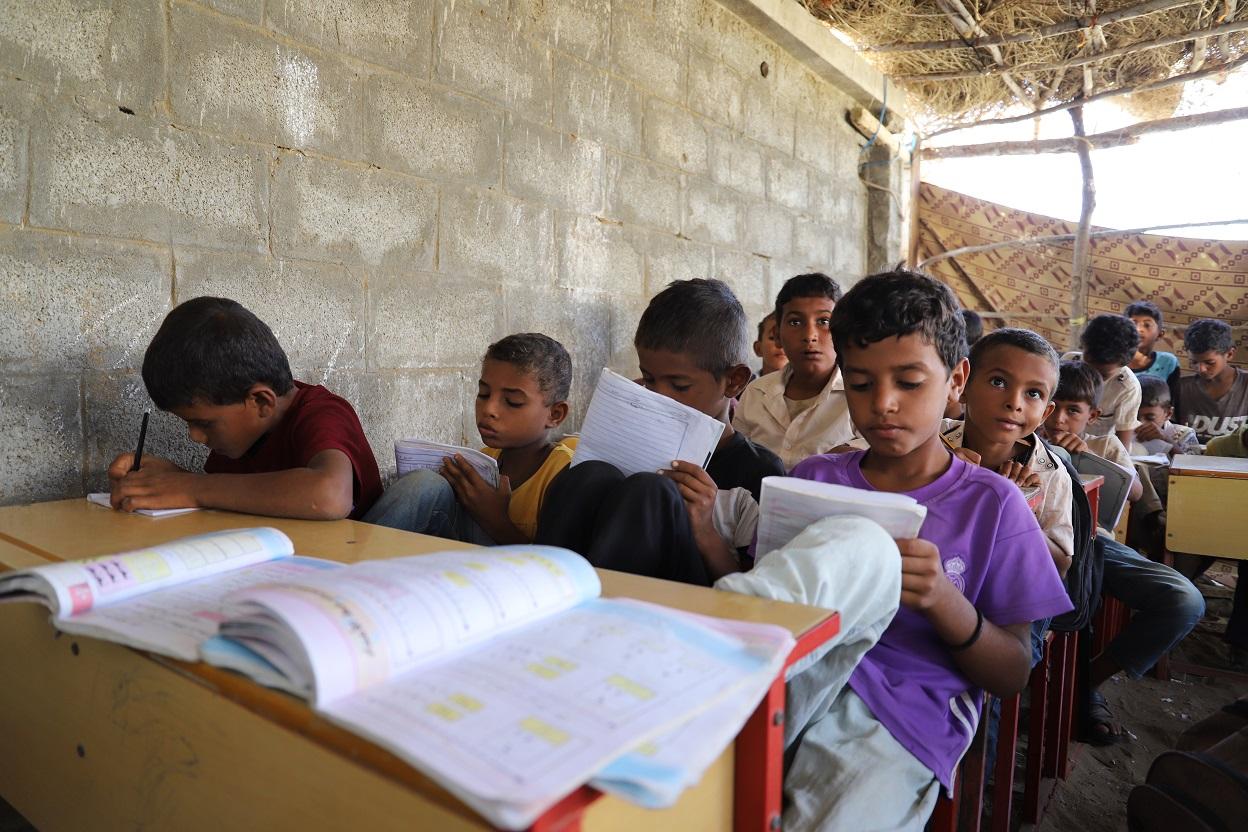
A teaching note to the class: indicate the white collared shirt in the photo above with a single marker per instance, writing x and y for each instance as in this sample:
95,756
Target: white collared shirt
763,416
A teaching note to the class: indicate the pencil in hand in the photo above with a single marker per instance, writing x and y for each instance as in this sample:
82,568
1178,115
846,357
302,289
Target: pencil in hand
138,452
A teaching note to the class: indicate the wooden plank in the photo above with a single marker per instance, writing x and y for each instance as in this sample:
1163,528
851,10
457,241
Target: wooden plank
1224,467
1205,516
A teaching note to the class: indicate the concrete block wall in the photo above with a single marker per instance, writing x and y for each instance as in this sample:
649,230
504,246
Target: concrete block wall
391,184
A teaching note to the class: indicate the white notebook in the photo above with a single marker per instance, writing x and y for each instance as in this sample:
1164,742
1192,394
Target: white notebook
101,498
790,504
410,454
636,429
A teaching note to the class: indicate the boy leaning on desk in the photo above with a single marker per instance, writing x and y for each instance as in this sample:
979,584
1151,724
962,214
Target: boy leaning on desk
277,446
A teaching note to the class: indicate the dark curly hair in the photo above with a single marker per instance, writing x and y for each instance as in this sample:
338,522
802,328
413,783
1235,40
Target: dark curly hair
212,350
541,355
1109,339
812,285
701,318
1079,382
896,303
1208,335
1144,307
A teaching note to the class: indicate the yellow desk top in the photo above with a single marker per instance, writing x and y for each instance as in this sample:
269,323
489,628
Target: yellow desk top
1220,467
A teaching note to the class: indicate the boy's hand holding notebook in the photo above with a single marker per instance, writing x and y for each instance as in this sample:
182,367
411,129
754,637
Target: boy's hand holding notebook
410,454
789,505
637,430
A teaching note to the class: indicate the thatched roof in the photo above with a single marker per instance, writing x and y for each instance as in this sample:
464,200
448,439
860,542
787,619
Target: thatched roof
969,76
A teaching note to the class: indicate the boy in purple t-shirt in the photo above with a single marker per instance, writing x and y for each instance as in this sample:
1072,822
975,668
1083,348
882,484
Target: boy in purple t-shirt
870,738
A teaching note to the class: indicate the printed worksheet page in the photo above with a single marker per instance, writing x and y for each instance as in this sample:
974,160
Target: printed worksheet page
636,429
410,454
790,504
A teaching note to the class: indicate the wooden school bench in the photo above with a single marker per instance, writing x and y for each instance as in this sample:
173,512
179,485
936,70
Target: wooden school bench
1205,515
101,736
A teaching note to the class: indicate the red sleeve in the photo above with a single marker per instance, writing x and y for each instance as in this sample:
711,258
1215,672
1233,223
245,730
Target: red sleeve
329,422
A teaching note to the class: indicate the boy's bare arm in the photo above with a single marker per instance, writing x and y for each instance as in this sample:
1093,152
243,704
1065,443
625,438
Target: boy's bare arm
488,505
1060,559
999,661
1126,437
698,491
320,491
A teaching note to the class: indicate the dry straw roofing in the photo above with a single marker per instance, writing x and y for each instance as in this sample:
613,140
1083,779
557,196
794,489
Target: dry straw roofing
961,60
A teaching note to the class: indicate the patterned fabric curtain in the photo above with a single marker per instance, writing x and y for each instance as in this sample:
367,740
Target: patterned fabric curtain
1030,286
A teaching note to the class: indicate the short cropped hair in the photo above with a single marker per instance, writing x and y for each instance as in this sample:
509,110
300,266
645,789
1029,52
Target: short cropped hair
701,318
1154,392
541,355
897,303
974,326
212,350
1023,339
1110,339
1079,382
1143,308
812,285
762,325
1208,335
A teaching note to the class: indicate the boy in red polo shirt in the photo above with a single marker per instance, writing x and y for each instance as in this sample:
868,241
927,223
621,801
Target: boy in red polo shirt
279,447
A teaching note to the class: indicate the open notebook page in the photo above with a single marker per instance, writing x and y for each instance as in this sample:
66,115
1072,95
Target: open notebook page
636,429
101,498
789,505
410,454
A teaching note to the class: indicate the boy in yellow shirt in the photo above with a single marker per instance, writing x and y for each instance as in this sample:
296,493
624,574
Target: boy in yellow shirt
521,398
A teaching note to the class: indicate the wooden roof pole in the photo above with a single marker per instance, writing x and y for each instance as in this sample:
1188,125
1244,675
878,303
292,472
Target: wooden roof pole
1081,262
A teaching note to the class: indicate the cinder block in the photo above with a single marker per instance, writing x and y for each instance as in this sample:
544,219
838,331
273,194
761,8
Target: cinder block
823,138
425,320
40,438
109,173
745,274
589,102
578,27
642,7
671,258
737,163
639,192
438,135
316,310
549,166
395,33
625,314
712,214
714,89
769,230
230,79
109,49
74,303
581,321
599,255
812,243
736,43
766,117
477,54
788,183
675,137
425,405
351,213
649,54
491,236
113,405
15,101
250,10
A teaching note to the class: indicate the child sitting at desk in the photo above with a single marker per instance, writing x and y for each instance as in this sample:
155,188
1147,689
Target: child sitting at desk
1214,401
878,723
521,397
683,524
1156,433
1166,605
1109,343
277,446
800,410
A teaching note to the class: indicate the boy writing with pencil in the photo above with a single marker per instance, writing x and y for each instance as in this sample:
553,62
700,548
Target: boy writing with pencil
277,446
876,725
522,395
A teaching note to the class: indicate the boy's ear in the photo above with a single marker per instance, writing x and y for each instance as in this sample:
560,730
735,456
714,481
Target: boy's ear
1230,354
737,378
1096,414
958,377
1048,411
264,398
558,412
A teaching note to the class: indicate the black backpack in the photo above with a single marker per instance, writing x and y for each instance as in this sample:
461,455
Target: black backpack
1083,579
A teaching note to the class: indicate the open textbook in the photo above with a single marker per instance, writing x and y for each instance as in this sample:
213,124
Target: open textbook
165,598
410,454
498,672
790,504
636,429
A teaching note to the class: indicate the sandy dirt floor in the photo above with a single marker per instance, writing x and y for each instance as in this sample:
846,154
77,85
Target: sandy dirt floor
1154,713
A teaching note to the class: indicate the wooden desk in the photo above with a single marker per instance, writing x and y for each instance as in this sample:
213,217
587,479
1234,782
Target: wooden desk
108,737
1205,508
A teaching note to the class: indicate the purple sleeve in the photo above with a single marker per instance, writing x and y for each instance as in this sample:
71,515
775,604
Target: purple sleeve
1022,583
